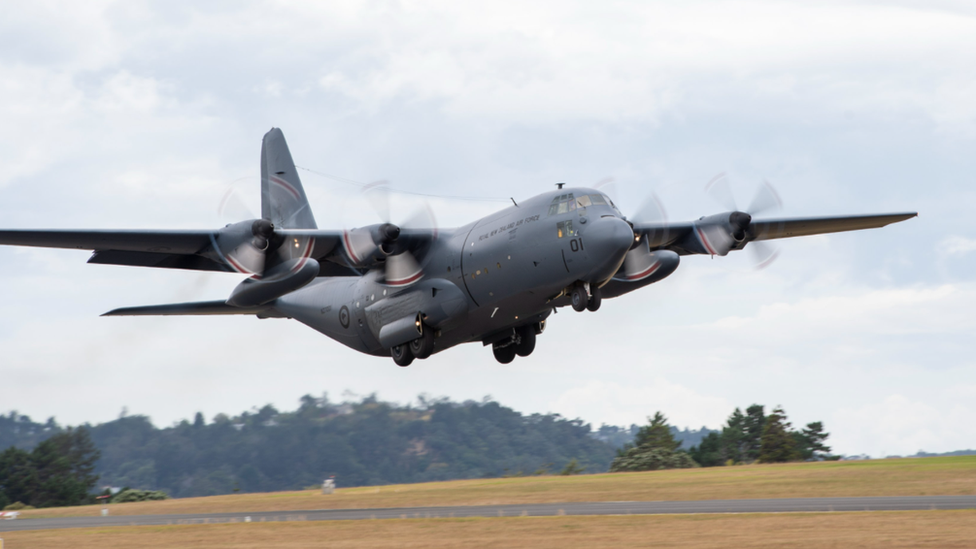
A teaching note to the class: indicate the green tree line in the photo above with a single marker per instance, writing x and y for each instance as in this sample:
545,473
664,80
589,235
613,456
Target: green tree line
750,437
368,442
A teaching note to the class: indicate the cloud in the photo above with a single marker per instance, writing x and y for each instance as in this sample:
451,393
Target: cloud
616,404
898,425
957,245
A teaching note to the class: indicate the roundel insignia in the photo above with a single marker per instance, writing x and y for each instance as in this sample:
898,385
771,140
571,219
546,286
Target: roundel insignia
344,316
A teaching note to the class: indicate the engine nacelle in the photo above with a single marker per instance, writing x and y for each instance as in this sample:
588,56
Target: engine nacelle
365,245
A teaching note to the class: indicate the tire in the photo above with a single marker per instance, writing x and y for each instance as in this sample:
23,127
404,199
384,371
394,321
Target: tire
402,355
526,342
579,298
595,300
423,346
505,355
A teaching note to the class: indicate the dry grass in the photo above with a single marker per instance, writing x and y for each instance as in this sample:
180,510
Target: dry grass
894,477
942,529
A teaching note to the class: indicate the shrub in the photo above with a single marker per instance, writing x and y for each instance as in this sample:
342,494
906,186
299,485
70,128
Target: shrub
18,506
130,495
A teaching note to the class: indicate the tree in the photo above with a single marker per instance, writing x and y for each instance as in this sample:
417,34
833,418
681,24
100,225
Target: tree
753,425
657,434
810,441
654,448
733,437
65,467
777,443
18,479
198,421
709,452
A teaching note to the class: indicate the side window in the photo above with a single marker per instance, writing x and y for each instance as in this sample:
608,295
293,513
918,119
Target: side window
565,229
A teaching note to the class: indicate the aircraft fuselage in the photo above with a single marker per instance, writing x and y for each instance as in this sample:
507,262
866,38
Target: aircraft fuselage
511,268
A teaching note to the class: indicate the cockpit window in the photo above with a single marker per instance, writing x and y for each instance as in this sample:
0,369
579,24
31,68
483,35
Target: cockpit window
562,204
598,200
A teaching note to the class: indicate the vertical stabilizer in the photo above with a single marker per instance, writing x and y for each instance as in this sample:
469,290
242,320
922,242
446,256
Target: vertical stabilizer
283,199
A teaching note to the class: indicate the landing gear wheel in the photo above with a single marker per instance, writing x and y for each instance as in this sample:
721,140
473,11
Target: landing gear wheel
402,355
580,299
595,300
505,354
423,346
526,343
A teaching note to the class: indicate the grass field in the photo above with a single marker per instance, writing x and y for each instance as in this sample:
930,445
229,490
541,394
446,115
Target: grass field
942,529
892,477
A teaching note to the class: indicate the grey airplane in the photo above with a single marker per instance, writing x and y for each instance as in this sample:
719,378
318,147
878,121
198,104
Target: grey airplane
407,292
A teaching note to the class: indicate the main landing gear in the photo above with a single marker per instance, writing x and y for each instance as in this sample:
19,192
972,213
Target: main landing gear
421,348
520,344
583,301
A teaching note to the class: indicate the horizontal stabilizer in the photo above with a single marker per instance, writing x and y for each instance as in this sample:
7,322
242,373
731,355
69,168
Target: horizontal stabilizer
195,308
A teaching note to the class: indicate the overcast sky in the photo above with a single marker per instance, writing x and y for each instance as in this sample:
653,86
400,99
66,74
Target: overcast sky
143,114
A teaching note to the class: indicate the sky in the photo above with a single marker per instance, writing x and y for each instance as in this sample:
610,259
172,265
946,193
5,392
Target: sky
145,114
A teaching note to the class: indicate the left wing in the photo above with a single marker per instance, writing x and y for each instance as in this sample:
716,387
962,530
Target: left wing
719,234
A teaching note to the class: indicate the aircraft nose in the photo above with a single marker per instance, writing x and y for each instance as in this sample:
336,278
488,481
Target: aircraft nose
607,240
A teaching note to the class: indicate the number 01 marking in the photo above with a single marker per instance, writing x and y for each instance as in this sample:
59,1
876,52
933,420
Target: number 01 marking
576,244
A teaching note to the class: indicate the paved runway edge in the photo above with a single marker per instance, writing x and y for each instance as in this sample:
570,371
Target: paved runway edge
791,505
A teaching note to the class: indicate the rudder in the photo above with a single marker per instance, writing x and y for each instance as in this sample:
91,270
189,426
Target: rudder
283,199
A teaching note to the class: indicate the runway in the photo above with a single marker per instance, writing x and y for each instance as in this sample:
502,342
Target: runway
792,505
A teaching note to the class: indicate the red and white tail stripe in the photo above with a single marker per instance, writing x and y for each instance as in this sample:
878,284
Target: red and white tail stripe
286,186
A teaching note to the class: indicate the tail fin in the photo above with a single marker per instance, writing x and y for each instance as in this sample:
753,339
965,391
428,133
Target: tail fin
283,199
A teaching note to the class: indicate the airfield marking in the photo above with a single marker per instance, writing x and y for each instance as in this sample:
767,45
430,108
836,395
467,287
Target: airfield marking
786,505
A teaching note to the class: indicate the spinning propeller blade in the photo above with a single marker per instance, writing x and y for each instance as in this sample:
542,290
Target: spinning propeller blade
718,242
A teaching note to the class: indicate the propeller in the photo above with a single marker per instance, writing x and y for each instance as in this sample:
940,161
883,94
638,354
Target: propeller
720,242
383,242
640,262
252,247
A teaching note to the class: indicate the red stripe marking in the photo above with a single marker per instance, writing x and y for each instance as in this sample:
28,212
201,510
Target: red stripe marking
287,186
407,280
646,273
704,241
240,268
348,246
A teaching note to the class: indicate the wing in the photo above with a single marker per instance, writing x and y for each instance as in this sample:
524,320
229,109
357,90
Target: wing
714,235
176,242
768,229
195,250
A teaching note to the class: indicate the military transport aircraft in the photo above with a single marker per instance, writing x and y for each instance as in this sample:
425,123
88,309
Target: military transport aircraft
410,292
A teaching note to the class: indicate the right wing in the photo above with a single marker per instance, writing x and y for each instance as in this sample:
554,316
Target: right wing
177,242
196,250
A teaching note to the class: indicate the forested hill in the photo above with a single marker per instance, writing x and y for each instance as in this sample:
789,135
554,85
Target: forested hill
362,443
